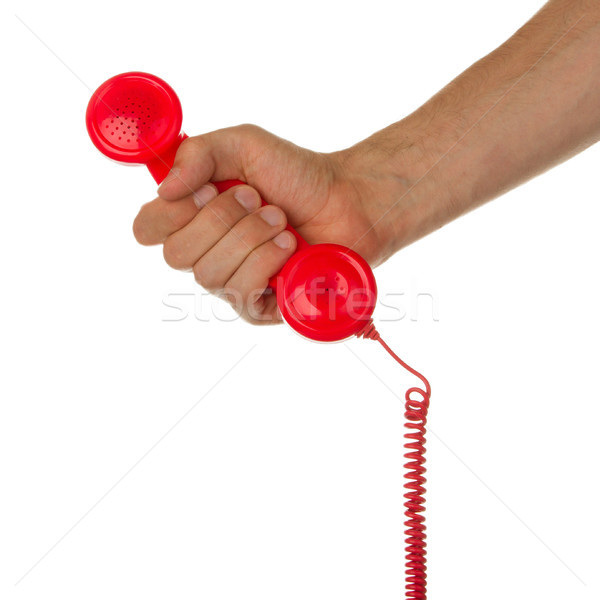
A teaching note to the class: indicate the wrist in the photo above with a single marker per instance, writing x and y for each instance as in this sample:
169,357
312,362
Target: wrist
402,189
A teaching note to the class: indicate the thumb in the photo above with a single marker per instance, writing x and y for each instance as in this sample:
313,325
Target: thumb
201,159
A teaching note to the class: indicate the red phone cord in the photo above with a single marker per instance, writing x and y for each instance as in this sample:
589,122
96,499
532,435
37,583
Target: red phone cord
416,419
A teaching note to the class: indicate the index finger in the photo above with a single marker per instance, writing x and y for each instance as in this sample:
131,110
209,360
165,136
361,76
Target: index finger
214,156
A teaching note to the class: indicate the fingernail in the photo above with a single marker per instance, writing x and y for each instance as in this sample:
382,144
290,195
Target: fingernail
248,198
271,215
173,174
204,195
283,240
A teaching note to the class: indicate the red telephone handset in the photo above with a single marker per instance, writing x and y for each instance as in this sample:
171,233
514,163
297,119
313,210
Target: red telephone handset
325,292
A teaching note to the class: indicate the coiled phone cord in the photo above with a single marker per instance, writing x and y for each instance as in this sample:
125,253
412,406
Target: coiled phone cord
416,420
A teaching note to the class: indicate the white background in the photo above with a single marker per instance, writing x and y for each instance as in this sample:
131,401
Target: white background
139,464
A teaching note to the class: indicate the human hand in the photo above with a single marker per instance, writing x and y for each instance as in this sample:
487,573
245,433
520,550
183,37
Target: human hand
232,245
483,134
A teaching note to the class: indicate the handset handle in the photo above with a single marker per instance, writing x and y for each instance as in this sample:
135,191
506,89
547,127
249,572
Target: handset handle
161,165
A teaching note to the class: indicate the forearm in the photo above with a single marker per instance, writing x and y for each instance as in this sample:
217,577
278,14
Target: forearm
527,106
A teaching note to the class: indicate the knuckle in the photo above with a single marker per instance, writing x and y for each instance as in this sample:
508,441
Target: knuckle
139,232
258,262
196,142
233,297
247,232
254,230
173,253
249,129
225,213
205,277
140,229
255,260
175,215
191,150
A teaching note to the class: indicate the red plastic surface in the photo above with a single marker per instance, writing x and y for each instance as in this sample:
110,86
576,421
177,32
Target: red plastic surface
134,117
326,292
